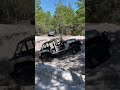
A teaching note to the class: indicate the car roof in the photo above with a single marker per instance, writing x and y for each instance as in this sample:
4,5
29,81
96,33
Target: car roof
32,37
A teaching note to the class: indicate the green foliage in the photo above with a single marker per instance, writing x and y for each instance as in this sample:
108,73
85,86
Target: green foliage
101,11
42,22
63,17
37,5
65,20
15,10
79,20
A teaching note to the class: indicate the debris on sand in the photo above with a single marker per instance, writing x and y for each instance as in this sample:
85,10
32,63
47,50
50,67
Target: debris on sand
53,78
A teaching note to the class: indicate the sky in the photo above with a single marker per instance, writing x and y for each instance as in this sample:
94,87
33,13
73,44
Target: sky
49,5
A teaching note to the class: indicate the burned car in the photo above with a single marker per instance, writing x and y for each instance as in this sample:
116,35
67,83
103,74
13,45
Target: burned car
97,48
57,47
22,63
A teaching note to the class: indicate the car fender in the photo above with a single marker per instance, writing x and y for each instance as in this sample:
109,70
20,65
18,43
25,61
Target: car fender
20,60
74,43
45,51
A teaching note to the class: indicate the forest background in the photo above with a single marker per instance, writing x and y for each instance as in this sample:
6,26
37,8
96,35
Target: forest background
65,20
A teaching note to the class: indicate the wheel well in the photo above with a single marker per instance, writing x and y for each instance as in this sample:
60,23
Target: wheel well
46,53
75,43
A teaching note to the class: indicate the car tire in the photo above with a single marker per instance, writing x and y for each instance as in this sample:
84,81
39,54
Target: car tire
74,49
23,75
46,57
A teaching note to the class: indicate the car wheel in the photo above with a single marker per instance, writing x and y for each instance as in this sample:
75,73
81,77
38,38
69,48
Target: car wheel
24,75
46,57
74,49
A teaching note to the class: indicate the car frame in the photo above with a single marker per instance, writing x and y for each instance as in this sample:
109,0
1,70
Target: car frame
23,61
58,47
